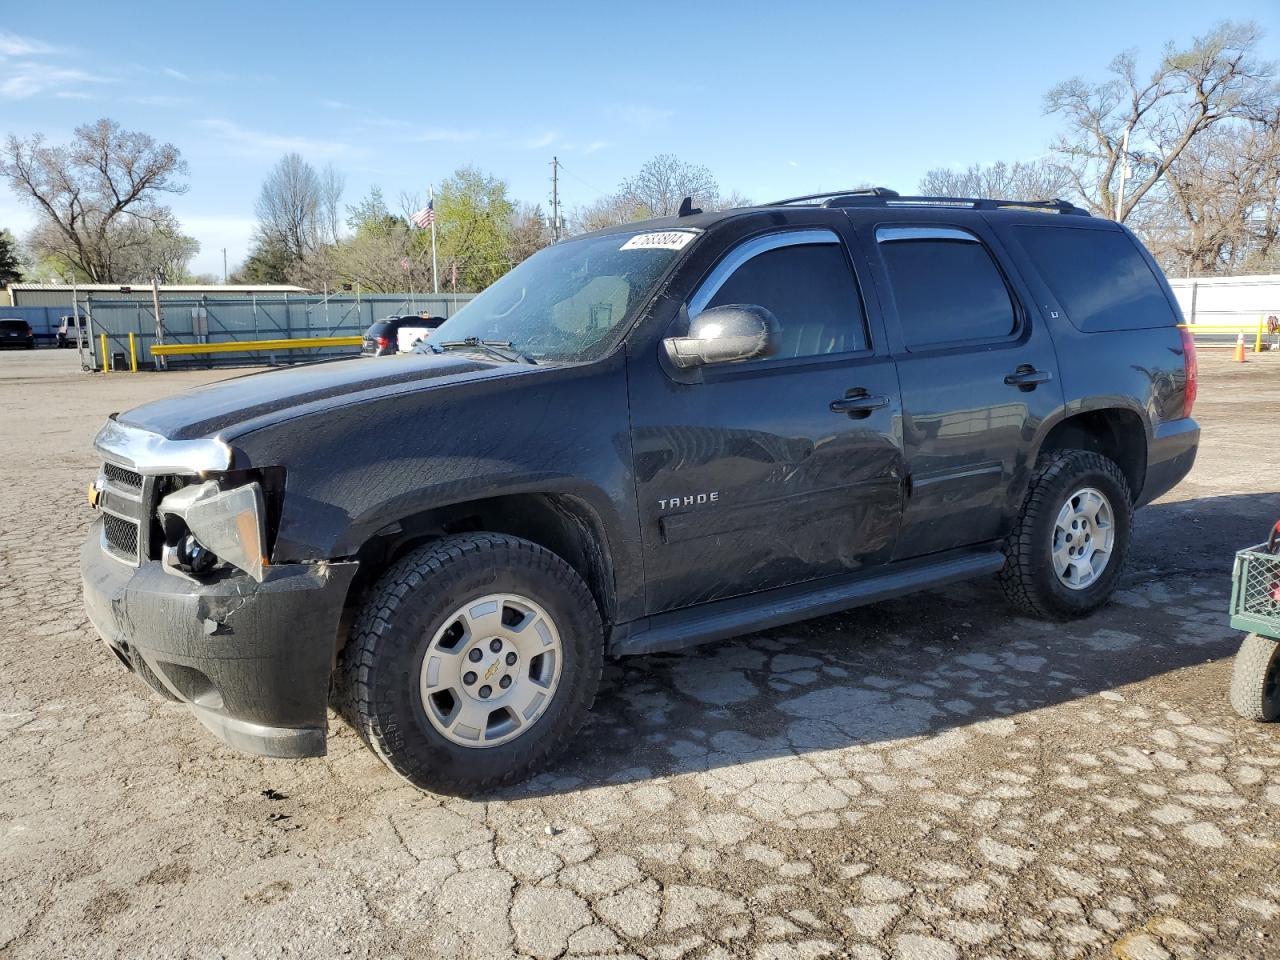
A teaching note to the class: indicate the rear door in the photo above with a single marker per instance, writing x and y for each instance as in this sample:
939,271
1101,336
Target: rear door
978,375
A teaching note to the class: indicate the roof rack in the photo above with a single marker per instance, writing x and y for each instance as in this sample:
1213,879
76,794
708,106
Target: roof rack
883,197
883,192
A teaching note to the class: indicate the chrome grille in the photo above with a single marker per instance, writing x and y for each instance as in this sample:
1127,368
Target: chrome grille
122,475
127,502
120,536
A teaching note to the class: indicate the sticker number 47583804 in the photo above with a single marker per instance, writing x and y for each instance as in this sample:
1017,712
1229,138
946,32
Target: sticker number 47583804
664,240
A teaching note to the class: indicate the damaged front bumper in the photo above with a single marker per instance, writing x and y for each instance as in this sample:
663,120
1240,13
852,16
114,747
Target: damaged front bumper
252,660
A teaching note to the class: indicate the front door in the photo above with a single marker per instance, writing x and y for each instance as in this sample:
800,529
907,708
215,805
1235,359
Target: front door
978,374
770,472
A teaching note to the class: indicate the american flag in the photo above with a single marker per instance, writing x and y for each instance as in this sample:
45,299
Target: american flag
426,216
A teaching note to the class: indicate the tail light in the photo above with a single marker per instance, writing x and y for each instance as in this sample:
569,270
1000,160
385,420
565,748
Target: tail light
384,342
1189,360
30,332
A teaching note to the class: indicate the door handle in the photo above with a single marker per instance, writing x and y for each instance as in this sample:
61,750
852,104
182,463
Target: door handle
858,403
1027,377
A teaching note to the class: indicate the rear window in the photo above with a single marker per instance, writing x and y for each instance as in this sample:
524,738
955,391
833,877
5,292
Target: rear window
19,325
947,290
1100,278
378,328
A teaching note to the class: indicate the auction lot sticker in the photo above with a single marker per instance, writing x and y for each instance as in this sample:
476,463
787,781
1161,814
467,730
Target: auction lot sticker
665,240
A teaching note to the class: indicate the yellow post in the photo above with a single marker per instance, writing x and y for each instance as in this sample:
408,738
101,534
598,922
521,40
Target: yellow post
133,353
102,342
1257,341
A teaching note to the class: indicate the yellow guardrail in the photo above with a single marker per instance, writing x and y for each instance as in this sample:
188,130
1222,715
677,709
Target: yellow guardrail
253,346
1258,330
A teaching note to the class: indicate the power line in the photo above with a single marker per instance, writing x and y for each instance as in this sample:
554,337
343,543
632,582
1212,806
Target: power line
589,186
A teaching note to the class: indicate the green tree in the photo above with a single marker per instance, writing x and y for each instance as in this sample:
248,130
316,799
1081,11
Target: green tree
10,268
268,262
473,229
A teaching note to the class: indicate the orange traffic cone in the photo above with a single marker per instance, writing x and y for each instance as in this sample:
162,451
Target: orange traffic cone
1239,358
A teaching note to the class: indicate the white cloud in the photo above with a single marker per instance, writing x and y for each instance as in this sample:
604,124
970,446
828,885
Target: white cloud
13,45
175,74
538,141
26,79
256,142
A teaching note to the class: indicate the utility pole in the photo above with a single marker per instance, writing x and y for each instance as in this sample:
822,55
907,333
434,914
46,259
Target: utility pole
555,199
1124,174
224,266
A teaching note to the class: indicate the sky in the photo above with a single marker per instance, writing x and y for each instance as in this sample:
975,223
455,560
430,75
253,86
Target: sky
777,99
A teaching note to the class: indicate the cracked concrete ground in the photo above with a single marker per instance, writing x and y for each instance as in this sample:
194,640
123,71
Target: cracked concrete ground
932,777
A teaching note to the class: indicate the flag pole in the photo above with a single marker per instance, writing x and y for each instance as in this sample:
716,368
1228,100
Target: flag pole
435,277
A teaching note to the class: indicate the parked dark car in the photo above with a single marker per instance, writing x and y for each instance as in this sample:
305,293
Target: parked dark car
646,437
17,334
392,335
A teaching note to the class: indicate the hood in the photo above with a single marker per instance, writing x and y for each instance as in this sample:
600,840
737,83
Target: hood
219,407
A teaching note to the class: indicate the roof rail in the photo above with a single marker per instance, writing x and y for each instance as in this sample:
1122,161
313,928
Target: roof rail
882,197
834,194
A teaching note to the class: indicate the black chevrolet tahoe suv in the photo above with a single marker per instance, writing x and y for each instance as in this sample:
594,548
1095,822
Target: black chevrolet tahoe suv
651,436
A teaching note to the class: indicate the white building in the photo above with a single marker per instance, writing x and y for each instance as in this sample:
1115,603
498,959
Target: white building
1238,301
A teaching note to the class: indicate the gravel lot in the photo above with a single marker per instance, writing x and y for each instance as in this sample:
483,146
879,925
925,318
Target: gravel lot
927,778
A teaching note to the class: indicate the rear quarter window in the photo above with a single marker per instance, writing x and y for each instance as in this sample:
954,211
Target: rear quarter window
1100,278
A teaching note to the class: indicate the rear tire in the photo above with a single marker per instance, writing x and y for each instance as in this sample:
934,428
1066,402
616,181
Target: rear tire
454,611
1065,555
1255,679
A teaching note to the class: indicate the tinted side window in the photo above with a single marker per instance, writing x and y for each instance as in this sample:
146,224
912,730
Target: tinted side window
812,292
946,290
1100,277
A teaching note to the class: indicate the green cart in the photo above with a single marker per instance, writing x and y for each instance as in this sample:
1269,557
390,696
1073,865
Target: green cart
1255,608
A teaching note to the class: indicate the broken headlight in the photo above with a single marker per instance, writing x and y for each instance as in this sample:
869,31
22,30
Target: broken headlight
205,525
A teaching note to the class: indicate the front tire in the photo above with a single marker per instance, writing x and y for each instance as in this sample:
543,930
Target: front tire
1064,557
473,662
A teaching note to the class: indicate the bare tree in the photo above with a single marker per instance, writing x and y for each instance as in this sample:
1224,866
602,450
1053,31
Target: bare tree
1218,210
656,191
663,182
730,201
332,184
290,207
1033,180
529,232
94,193
1217,79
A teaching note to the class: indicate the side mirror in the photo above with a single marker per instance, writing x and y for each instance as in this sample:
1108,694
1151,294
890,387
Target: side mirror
727,334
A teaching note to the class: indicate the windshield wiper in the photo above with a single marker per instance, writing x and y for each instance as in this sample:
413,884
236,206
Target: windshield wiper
502,349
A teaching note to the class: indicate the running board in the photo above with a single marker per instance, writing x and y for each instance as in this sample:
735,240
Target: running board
721,619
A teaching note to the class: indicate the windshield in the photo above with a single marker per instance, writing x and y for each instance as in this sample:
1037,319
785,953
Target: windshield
568,302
